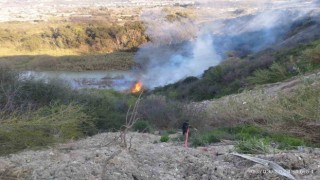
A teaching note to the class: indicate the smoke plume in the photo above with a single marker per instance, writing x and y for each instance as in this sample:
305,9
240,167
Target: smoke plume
183,48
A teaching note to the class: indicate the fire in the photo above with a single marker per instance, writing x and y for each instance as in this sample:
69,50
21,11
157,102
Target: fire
137,87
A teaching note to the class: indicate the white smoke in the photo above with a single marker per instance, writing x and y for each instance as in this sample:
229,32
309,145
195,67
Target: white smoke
162,31
163,63
181,48
179,66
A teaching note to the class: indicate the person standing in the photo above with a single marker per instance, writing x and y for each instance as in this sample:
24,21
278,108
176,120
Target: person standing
185,127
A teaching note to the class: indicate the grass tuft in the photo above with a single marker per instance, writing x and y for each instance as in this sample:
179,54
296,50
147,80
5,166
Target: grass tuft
164,138
253,146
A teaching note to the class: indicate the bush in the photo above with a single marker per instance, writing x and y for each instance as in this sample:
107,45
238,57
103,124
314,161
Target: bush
204,139
48,125
198,141
8,84
247,131
285,141
170,131
253,146
142,126
247,135
160,111
313,54
20,96
275,73
46,112
107,107
164,138
40,92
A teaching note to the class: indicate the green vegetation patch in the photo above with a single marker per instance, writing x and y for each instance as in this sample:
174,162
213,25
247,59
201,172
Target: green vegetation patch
288,63
47,125
86,37
36,114
110,61
236,74
204,139
164,138
249,139
253,146
142,126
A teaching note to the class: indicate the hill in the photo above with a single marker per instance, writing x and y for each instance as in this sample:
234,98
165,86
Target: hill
294,52
96,158
260,96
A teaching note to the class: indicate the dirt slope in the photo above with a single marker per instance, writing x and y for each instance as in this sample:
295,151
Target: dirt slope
96,158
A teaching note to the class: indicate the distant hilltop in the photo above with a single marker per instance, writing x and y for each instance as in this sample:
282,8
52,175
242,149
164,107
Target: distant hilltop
111,3
41,10
32,10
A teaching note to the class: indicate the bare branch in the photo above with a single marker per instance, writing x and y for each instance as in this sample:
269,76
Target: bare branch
131,119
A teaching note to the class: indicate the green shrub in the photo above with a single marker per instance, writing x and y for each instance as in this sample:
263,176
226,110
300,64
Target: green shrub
204,139
40,92
164,138
142,126
239,132
48,125
253,146
198,141
170,131
275,73
223,133
46,112
313,54
20,96
248,131
256,145
284,141
247,134
160,111
107,107
179,138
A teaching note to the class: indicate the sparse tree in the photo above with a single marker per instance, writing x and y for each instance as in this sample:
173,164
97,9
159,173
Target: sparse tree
131,119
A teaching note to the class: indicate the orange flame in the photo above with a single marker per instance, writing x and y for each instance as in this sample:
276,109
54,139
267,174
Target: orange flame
137,87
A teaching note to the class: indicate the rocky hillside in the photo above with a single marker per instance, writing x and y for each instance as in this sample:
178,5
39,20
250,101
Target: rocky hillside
101,157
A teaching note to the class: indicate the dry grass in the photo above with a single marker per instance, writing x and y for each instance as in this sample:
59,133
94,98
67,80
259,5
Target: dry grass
296,112
43,127
111,61
7,51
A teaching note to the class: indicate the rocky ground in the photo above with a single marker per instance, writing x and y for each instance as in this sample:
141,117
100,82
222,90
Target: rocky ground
101,157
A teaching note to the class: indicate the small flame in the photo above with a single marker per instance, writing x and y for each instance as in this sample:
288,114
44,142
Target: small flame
137,87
